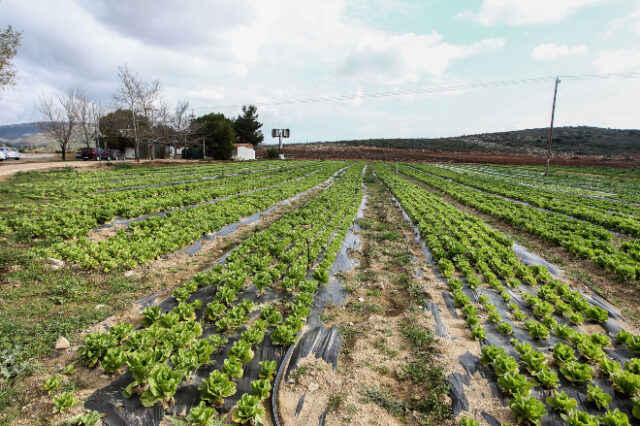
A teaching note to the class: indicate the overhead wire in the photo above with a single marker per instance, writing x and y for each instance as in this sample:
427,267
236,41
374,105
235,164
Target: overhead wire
443,89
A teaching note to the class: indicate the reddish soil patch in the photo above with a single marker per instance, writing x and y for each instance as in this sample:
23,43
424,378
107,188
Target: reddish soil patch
370,153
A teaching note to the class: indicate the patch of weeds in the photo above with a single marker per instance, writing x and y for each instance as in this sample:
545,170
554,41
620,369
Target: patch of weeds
381,346
350,288
363,308
382,398
402,259
326,317
67,290
387,236
367,275
374,293
418,336
387,332
414,289
381,369
348,333
364,224
300,371
336,400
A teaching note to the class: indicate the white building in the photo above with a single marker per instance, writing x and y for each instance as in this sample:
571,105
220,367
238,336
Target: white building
243,151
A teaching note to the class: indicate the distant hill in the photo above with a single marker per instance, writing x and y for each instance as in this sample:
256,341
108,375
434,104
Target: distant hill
568,141
28,136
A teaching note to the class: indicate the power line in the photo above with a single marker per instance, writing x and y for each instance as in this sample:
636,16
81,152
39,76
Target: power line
443,89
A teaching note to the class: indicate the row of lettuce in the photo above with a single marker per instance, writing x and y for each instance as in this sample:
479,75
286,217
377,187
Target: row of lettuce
289,260
586,181
70,183
579,237
612,215
76,217
147,239
485,278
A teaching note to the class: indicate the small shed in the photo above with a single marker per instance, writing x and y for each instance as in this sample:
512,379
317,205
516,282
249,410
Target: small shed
243,151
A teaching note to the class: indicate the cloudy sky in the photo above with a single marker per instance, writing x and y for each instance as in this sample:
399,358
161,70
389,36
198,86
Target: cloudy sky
219,54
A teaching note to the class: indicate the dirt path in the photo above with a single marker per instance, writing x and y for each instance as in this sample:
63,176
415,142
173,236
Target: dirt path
8,169
389,370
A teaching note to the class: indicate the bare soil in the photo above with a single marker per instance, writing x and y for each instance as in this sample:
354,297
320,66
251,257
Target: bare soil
370,153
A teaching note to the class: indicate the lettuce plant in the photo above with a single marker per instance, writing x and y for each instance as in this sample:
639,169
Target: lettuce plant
513,384
597,314
560,401
505,328
262,280
217,387
563,353
163,382
185,361
95,347
576,318
121,331
187,311
547,378
214,310
533,361
467,421
169,319
199,416
478,333
64,402
203,350
271,315
576,372
623,336
261,388
608,367
114,360
615,418
599,397
267,370
600,340
241,350
633,365
253,335
151,315
528,409
537,330
284,335
52,384
87,418
248,410
579,418
140,365
626,382
591,352
564,331
232,368
494,316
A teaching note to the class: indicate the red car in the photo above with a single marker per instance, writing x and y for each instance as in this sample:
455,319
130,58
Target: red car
94,154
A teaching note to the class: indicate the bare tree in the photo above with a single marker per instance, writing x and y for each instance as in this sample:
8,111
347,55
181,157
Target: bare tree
60,116
88,115
180,123
139,97
9,42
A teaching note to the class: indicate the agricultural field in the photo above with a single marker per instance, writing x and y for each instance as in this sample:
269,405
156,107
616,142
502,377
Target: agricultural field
320,292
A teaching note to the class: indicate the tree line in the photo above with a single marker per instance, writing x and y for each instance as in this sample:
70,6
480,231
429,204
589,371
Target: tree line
141,114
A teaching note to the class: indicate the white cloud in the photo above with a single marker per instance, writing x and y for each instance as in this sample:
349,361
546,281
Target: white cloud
551,51
630,23
618,61
408,57
525,12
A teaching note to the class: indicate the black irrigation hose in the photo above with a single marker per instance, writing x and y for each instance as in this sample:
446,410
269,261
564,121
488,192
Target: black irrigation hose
276,383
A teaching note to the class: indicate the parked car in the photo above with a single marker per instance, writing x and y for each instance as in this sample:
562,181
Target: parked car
116,154
10,153
2,156
95,154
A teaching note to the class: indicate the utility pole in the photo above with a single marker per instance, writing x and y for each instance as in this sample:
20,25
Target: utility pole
203,148
553,111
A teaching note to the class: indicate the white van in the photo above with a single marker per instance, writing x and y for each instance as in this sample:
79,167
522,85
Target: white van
10,153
